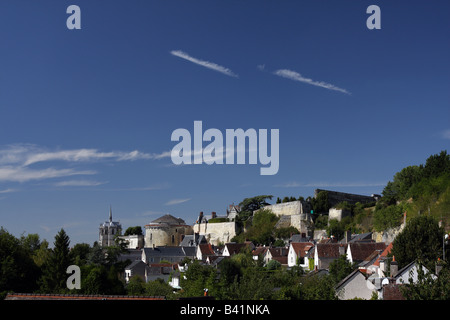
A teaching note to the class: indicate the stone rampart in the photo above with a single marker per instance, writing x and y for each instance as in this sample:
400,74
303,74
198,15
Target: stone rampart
335,197
221,232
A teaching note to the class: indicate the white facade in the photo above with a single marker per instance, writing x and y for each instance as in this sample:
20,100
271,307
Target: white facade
293,254
355,286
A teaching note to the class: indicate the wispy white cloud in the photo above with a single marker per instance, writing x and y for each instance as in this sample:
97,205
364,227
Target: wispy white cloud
288,185
176,201
22,174
89,155
28,154
9,190
17,160
446,134
203,63
78,183
295,76
160,186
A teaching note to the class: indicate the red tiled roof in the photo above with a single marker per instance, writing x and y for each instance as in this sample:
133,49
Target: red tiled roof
206,249
392,292
301,248
281,259
259,250
278,252
234,248
383,254
34,296
330,250
362,250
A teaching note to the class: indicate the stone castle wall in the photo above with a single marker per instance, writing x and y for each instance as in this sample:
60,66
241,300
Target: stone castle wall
165,235
338,214
221,232
335,197
286,208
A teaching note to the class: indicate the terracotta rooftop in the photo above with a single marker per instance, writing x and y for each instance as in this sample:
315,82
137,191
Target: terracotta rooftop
383,254
301,248
51,296
362,250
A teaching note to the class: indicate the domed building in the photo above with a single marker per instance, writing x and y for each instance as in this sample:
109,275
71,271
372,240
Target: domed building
166,231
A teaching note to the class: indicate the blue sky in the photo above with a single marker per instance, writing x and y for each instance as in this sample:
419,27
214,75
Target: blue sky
86,116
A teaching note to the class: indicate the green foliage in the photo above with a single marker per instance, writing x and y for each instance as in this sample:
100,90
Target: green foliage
285,233
344,205
54,274
427,287
335,228
413,181
273,265
42,254
136,286
133,231
262,229
310,287
159,287
18,272
248,205
195,280
217,220
321,204
101,279
388,217
79,253
321,222
420,240
340,268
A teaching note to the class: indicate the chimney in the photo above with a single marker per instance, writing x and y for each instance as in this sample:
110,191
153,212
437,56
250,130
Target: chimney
394,267
348,236
438,267
382,266
213,215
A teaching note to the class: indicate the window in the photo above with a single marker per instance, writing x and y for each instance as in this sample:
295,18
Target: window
173,239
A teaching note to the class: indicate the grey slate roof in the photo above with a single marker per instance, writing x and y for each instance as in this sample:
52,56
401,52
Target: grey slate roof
193,240
169,219
131,254
168,253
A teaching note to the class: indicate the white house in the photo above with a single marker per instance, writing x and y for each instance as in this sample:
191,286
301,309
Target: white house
409,271
355,285
297,253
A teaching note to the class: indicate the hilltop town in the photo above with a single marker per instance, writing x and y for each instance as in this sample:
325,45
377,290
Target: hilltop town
333,245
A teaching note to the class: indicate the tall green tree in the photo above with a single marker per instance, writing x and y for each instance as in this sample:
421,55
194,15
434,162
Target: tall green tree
427,286
420,240
54,274
195,279
159,287
248,205
79,253
321,203
18,272
340,268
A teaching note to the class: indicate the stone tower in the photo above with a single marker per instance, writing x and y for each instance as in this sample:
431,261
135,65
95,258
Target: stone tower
108,230
166,231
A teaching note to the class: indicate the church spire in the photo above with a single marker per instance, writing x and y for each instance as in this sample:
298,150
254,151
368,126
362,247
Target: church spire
110,214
